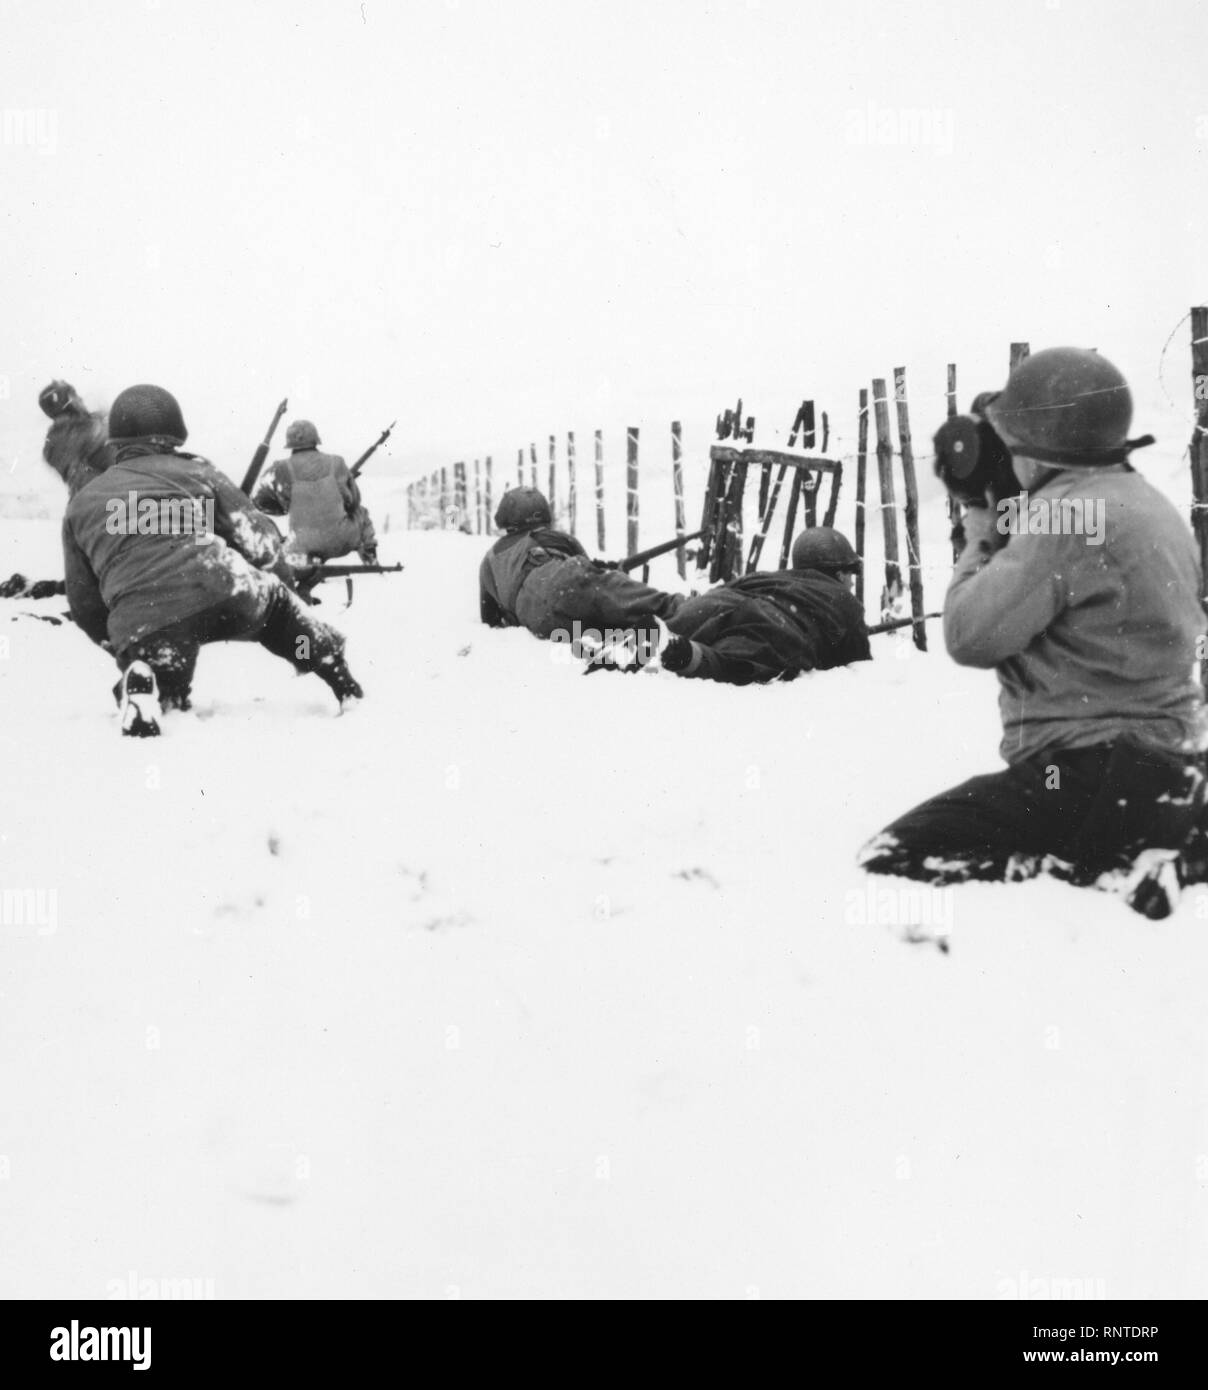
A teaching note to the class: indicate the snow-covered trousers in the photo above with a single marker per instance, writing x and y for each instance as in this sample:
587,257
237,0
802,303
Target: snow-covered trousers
269,614
1090,809
561,593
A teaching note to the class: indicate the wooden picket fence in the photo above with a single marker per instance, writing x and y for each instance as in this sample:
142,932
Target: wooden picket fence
465,499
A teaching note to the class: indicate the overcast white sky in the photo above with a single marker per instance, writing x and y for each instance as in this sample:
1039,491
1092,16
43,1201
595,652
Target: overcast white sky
498,220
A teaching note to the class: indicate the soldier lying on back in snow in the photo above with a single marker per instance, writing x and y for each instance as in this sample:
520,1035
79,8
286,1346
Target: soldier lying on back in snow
154,594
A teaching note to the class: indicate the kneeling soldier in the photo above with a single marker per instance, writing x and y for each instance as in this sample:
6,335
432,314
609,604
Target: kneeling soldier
163,554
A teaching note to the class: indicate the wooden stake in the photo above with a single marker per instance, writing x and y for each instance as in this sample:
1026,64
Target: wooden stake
533,469
677,486
805,418
553,483
444,498
1199,444
913,555
631,488
955,512
889,511
478,496
519,467
600,490
572,497
488,518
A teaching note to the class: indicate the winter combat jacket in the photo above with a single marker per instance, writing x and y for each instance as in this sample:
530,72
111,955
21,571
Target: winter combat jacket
772,626
319,495
157,538
1092,630
542,580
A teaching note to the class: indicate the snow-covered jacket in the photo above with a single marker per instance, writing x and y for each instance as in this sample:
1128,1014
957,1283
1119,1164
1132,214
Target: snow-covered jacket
319,495
1094,634
133,567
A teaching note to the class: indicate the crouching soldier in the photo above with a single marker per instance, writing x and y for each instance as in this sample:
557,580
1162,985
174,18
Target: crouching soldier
541,579
319,495
1083,593
164,554
77,443
766,627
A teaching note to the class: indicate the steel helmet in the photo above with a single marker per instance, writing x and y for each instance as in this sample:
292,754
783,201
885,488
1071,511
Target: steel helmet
302,435
142,412
521,508
824,548
1064,405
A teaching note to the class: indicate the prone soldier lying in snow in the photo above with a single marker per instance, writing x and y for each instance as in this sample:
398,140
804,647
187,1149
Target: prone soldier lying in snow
539,578
761,627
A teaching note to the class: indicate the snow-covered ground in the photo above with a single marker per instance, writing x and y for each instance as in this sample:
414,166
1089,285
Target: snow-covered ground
519,983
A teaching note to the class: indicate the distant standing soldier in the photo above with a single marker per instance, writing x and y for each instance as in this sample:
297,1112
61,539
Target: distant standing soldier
153,590
77,443
319,495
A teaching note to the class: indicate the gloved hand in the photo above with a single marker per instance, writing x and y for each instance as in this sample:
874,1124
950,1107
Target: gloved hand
676,653
368,554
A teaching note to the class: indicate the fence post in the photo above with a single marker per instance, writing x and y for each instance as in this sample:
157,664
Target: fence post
913,551
572,497
600,490
889,510
955,514
488,517
862,467
1018,352
553,483
1199,442
631,489
533,469
444,497
519,467
677,486
806,418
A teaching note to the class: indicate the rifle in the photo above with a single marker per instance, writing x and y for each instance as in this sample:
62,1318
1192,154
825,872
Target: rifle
642,557
308,577
257,463
377,443
901,622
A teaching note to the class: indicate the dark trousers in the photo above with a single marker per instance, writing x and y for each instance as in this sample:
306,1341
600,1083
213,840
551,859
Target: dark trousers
562,593
270,615
1092,809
